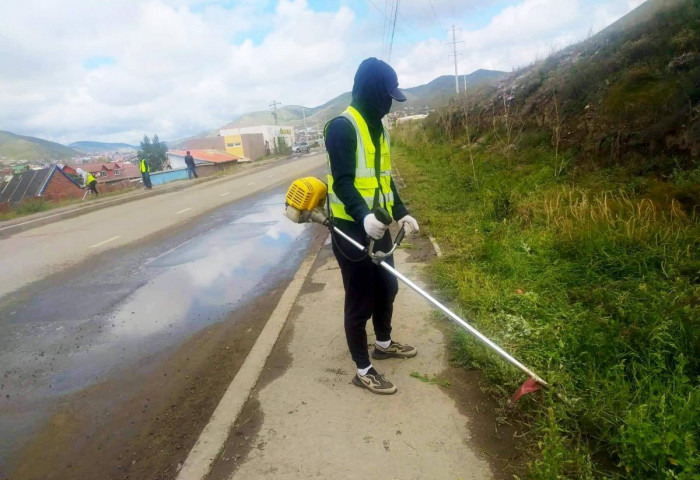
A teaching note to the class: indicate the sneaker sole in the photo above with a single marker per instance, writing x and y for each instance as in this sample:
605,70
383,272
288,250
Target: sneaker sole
377,355
356,381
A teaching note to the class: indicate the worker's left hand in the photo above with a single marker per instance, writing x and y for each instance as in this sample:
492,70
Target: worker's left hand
408,223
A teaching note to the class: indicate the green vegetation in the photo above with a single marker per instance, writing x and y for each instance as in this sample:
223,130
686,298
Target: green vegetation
566,201
590,276
30,206
434,380
155,152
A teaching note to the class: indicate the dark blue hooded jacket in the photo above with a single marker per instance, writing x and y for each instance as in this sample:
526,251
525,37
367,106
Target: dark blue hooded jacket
371,98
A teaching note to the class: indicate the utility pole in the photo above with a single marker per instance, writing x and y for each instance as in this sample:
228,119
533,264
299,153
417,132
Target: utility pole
274,109
454,43
303,111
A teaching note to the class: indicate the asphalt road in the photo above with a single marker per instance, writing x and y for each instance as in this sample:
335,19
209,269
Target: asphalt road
33,254
97,310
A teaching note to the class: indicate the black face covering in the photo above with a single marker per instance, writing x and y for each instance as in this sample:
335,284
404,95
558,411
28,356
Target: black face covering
369,92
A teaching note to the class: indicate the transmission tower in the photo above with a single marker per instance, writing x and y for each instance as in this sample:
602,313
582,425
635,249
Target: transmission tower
274,109
454,43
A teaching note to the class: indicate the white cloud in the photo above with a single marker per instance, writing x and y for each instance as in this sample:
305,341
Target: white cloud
185,66
518,35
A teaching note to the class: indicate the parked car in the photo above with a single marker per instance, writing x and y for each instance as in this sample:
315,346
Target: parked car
301,147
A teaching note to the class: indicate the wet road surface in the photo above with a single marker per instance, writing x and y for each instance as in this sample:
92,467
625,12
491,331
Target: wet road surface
105,316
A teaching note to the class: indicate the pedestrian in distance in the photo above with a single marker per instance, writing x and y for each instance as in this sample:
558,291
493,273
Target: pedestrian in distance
145,174
91,182
359,181
189,161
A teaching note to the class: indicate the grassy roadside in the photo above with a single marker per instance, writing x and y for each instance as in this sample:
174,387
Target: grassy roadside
36,205
590,277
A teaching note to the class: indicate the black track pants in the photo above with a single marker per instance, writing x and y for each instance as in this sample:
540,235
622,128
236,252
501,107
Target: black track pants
369,291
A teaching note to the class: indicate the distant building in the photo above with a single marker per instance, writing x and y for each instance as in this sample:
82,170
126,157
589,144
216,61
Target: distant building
201,157
274,136
106,172
410,118
50,183
250,146
207,143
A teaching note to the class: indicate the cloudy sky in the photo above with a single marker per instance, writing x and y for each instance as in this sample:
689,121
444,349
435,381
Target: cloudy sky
113,71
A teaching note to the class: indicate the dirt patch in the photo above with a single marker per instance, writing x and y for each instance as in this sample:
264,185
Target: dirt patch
159,414
242,438
498,442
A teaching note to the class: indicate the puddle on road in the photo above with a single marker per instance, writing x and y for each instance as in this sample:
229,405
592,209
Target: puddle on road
138,302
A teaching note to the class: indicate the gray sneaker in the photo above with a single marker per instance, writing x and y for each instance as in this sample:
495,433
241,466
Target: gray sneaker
395,349
374,382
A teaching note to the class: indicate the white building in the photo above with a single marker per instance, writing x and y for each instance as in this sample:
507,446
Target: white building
270,134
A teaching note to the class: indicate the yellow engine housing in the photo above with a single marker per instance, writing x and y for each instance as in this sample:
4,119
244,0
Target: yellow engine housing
306,193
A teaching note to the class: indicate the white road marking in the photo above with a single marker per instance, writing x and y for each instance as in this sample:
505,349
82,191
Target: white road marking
224,194
105,241
183,210
149,261
251,183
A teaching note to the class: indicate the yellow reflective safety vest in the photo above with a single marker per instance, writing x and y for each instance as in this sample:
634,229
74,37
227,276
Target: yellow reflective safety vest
144,165
90,178
374,184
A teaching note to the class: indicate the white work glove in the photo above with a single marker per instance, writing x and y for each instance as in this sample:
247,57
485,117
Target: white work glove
373,226
408,223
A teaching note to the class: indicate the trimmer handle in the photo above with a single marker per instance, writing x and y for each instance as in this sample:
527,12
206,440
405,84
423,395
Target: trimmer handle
382,215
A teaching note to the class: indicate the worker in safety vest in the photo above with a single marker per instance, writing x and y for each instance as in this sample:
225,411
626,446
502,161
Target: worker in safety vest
91,182
145,175
360,180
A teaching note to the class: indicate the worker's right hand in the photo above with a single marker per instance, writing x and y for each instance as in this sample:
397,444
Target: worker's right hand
374,227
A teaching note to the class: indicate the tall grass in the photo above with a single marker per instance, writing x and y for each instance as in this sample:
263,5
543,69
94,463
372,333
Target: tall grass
581,275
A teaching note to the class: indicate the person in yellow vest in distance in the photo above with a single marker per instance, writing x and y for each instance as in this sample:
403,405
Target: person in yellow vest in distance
145,174
91,182
359,156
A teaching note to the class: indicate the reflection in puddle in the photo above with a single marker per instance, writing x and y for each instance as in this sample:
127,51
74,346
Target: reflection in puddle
73,335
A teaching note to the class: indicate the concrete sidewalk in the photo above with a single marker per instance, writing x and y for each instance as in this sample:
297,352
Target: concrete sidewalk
306,420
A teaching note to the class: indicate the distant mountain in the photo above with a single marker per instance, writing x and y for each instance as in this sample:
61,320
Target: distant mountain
433,94
19,147
439,91
100,147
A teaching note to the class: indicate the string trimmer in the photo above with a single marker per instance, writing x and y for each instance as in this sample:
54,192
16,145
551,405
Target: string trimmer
305,203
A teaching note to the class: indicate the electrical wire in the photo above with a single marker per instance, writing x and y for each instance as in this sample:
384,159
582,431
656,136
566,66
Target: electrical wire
440,24
393,30
384,28
397,28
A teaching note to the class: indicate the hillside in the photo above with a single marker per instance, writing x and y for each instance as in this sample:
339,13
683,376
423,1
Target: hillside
566,202
18,147
629,91
436,93
99,147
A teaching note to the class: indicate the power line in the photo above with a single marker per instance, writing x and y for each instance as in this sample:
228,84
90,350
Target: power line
393,29
391,21
442,27
384,27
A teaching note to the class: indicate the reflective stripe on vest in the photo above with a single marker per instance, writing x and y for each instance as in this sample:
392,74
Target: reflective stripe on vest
90,178
365,173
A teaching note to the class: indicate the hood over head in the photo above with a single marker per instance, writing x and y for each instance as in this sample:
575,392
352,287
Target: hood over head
376,85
